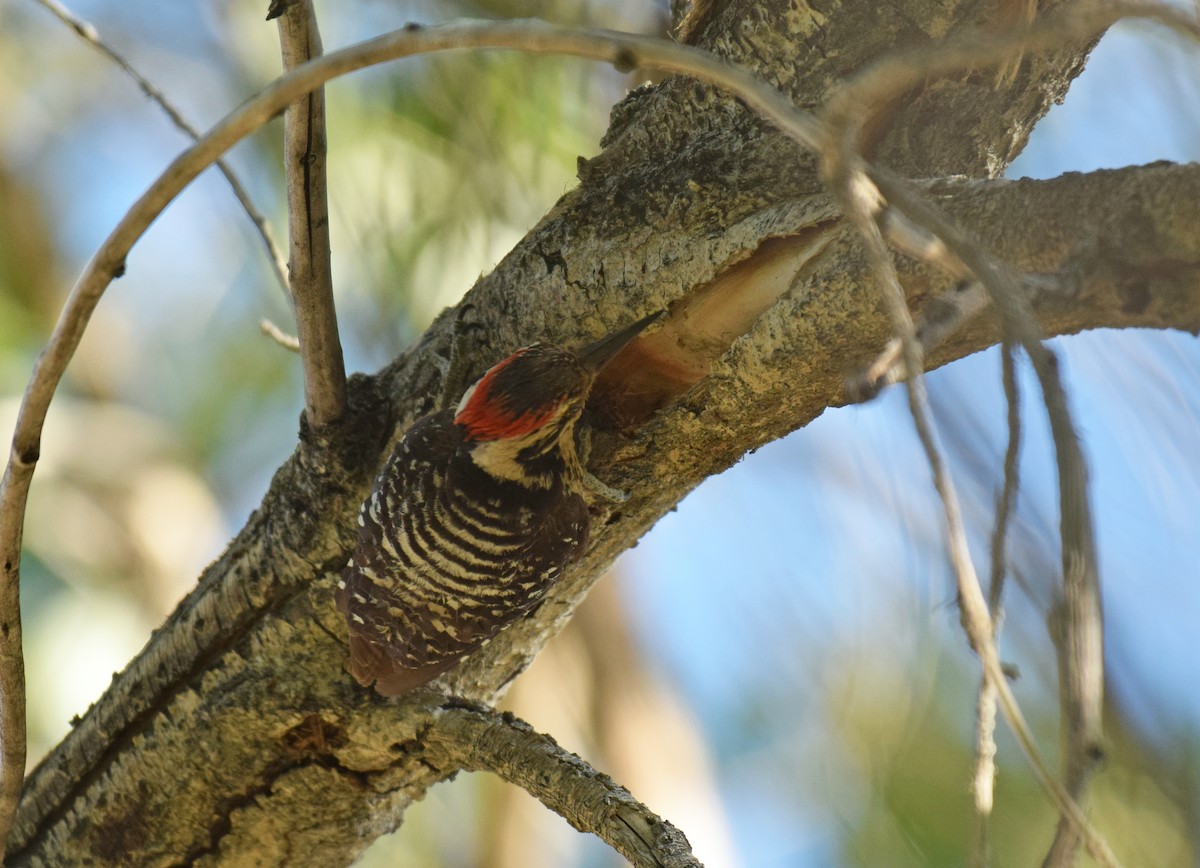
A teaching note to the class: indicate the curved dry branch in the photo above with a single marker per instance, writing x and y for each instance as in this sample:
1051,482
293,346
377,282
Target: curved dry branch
862,203
482,739
531,36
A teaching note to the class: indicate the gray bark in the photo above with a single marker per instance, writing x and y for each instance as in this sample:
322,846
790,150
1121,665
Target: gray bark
235,737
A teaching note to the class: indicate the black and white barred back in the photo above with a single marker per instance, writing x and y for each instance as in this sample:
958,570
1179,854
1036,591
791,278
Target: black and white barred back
447,556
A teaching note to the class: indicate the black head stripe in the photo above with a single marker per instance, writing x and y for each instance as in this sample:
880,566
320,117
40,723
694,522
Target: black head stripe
540,374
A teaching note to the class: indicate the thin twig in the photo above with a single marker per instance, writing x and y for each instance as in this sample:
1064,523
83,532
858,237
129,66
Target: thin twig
304,155
1080,638
482,739
983,784
1007,500
863,97
868,194
976,619
531,36
1080,644
14,489
938,321
89,34
275,333
985,751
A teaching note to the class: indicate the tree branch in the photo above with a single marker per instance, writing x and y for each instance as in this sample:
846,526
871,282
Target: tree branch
485,740
897,73
304,158
1078,626
279,336
14,488
985,751
861,203
1081,648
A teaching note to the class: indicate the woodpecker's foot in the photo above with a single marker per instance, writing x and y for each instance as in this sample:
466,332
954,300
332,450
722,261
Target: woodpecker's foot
590,481
603,489
454,369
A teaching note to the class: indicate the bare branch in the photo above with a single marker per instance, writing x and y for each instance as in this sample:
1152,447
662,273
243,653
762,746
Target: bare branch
485,740
843,171
88,33
864,96
531,36
304,149
867,193
1081,645
1079,637
275,333
1006,502
861,99
984,783
14,490
940,319
976,619
985,746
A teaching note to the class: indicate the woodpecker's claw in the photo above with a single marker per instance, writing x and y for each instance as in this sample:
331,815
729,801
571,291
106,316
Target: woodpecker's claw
602,489
590,481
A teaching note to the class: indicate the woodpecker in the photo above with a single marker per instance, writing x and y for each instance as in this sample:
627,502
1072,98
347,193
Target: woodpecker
473,517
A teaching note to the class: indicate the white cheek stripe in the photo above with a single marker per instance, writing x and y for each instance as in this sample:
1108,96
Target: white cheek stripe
462,405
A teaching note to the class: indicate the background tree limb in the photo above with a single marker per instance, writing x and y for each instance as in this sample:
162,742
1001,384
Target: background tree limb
485,740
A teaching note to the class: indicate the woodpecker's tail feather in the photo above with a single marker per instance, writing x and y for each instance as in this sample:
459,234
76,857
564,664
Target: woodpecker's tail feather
371,663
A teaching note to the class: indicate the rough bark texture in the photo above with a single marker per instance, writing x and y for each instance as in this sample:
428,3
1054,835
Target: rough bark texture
236,737
584,797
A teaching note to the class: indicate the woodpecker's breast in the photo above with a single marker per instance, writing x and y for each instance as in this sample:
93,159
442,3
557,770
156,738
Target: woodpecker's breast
447,556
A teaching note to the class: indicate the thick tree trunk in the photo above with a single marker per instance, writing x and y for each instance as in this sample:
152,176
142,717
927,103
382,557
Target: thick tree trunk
236,737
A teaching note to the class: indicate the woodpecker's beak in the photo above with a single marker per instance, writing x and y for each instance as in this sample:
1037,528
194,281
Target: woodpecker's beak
595,354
